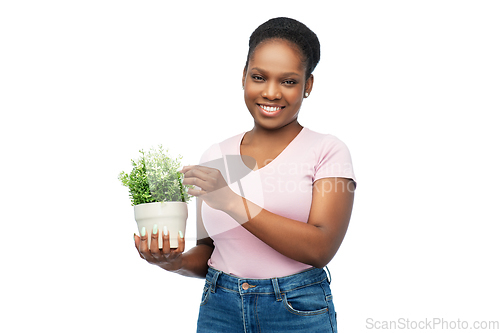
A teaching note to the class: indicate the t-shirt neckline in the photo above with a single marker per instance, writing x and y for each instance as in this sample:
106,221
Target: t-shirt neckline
283,152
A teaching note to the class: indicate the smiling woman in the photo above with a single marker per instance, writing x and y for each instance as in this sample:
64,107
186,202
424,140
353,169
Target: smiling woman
262,245
275,84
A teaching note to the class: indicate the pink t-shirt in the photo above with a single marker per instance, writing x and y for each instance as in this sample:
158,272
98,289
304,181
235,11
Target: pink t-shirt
284,187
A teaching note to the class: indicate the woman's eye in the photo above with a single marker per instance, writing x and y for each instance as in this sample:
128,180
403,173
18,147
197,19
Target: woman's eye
289,82
257,78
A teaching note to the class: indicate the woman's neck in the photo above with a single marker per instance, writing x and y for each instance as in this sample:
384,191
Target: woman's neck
277,136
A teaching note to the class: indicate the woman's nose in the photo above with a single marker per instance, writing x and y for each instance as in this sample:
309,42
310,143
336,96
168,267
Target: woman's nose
271,91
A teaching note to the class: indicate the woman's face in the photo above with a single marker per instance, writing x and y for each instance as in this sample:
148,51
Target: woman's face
275,84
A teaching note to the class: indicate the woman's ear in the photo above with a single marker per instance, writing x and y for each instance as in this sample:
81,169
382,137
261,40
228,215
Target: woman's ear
244,77
309,84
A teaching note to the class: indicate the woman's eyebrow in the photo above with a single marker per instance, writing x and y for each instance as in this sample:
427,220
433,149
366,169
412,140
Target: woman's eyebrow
283,74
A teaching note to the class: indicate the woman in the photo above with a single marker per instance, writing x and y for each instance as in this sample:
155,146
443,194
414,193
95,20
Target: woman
270,219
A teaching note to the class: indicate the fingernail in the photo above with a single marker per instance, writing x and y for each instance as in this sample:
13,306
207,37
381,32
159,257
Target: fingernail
143,231
165,230
181,234
155,229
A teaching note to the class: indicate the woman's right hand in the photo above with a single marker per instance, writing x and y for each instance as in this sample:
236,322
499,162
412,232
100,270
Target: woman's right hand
167,258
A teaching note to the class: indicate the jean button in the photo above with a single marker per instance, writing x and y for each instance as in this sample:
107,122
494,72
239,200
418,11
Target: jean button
245,286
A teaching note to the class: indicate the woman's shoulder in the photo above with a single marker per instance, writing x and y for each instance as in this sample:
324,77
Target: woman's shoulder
322,140
331,155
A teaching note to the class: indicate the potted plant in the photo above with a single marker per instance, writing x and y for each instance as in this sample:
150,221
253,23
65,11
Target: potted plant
157,193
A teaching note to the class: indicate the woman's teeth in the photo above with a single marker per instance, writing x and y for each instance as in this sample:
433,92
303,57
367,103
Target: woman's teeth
270,108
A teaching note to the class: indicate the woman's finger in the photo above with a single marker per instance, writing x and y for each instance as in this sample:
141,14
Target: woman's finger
180,248
202,168
181,241
196,192
154,247
194,181
143,245
166,242
137,240
197,173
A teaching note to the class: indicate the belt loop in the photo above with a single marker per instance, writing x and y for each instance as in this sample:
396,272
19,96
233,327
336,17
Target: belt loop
329,277
276,289
214,280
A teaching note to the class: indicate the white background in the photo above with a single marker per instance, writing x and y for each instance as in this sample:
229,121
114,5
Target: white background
412,87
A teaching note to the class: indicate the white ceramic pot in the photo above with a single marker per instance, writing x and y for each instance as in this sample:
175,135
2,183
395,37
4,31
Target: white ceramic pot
173,215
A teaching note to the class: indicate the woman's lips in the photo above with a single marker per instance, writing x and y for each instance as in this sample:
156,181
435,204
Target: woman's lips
270,110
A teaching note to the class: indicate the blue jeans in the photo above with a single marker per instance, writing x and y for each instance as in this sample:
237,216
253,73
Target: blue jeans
300,302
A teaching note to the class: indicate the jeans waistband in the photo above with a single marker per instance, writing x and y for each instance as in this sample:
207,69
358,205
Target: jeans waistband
218,279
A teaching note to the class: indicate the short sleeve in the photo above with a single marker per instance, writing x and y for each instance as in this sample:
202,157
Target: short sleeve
333,160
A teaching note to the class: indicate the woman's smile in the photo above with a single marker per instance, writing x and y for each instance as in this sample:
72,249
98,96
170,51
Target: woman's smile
270,110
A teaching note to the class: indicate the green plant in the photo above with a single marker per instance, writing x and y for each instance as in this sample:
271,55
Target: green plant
154,178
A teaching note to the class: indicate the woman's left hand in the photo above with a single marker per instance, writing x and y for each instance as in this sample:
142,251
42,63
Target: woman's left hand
212,187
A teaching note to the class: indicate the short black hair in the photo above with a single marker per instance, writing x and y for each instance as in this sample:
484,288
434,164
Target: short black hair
292,31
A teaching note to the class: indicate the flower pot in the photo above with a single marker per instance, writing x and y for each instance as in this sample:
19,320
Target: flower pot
173,215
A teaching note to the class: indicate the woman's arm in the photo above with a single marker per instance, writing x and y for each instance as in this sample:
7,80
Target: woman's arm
313,243
193,263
